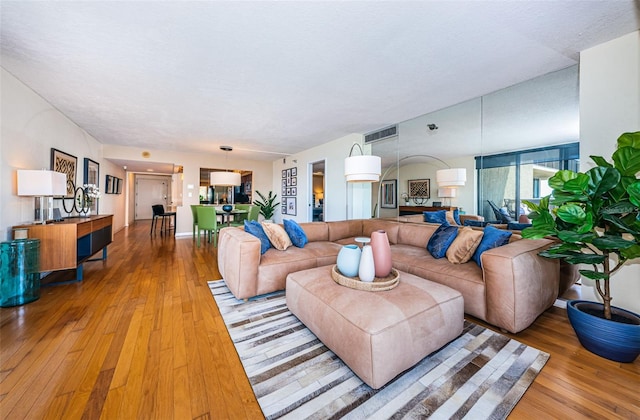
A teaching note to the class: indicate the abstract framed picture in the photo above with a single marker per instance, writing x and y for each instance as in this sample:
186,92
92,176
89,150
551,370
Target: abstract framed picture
294,171
419,188
389,194
67,164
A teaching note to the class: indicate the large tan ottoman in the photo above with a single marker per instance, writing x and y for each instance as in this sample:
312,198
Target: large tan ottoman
377,334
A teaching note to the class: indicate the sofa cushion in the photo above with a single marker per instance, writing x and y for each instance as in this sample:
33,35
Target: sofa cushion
277,236
316,231
464,245
295,232
492,238
441,239
439,216
256,230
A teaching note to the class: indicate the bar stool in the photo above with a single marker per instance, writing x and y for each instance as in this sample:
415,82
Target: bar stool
158,211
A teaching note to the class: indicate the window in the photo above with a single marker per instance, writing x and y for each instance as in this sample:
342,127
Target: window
508,178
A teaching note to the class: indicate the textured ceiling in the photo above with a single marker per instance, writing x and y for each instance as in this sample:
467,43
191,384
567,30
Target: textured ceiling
281,77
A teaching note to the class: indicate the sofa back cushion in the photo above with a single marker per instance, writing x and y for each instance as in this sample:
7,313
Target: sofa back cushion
389,226
415,234
344,229
316,231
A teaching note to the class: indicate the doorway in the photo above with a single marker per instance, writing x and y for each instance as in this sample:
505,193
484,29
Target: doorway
317,190
150,190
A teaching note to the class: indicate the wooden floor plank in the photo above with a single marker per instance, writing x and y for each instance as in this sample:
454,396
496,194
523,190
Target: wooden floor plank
141,337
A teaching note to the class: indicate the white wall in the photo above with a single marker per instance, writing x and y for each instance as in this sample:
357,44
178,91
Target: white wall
30,127
610,106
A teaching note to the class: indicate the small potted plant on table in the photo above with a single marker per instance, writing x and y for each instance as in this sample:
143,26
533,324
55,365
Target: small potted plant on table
597,222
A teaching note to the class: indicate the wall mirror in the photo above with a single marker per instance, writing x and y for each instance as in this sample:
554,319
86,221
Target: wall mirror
481,135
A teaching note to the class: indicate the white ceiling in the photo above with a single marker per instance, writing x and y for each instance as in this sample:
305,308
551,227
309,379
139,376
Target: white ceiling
272,78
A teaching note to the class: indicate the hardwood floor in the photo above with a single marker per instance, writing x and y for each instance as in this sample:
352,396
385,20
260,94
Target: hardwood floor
141,337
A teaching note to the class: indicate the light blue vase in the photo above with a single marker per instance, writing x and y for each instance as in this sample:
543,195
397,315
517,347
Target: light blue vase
349,260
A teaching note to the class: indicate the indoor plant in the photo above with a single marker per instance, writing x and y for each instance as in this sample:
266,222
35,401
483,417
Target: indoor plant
267,205
596,220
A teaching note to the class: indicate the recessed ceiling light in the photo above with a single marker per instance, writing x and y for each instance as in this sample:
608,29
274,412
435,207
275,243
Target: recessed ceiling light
149,170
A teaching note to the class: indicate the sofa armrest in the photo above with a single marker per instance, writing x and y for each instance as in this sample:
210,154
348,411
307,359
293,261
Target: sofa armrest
238,261
520,284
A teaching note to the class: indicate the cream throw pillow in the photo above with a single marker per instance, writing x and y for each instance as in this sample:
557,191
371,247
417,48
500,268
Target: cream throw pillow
277,236
450,218
465,244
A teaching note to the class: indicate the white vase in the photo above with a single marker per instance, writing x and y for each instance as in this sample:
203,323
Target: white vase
367,270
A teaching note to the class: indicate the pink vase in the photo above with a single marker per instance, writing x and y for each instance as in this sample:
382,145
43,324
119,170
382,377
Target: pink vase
381,253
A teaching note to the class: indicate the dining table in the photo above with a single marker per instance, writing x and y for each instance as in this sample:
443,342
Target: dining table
229,214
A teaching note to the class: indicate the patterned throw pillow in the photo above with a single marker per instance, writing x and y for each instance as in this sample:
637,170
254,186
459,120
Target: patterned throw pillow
492,238
295,232
256,230
441,239
277,236
439,217
463,247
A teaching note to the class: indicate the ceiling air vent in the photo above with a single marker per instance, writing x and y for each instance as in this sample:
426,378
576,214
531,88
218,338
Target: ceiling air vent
385,133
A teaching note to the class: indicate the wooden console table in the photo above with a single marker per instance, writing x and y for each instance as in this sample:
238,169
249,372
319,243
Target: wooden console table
67,244
407,210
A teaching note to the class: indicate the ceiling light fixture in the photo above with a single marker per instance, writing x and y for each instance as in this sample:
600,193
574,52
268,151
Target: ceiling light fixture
363,168
225,179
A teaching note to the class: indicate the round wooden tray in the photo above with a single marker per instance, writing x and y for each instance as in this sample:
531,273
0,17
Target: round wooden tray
377,285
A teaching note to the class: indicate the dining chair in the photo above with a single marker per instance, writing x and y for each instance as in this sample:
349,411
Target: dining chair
207,221
238,219
254,213
158,211
194,212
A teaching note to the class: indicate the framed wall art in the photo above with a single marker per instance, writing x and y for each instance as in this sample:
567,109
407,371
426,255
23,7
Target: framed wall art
67,164
290,205
389,194
92,176
289,180
419,188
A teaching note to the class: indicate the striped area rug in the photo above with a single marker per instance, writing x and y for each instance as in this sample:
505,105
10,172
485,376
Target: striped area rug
480,375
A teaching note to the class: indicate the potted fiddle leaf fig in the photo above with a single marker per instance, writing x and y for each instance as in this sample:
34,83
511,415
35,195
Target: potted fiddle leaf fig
267,204
596,220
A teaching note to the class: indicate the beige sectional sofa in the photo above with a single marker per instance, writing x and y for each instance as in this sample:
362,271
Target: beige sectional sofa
514,286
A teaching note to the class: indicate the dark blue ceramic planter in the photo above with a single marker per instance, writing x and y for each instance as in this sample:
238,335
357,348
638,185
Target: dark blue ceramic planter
227,208
612,340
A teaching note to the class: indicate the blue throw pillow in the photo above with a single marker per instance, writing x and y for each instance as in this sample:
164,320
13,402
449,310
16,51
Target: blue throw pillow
456,217
254,228
295,232
439,217
518,226
441,239
492,238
